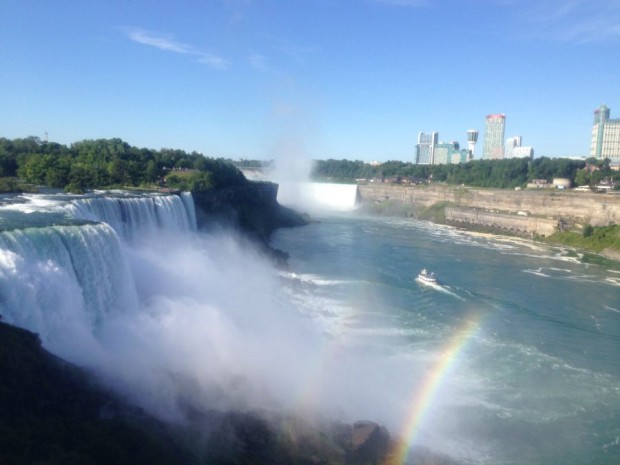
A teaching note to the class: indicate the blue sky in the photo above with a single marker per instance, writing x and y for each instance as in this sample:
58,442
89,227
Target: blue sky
355,79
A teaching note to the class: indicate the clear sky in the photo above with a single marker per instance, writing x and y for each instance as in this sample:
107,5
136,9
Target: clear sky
262,79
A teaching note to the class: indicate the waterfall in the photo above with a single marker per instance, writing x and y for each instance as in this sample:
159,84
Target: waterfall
133,216
183,319
64,265
62,281
315,196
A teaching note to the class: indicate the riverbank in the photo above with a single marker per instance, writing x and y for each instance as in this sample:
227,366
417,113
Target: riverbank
578,220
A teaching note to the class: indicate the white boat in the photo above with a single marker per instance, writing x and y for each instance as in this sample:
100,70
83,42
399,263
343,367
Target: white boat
426,277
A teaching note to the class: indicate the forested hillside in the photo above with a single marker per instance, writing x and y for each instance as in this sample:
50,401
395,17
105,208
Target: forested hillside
105,163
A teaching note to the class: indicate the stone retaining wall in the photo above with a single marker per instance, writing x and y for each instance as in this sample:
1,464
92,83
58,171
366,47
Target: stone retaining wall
515,223
567,206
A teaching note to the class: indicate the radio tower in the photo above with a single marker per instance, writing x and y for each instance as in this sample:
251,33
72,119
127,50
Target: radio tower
472,138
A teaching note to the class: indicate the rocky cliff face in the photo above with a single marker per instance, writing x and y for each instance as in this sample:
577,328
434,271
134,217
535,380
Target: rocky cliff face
55,413
252,208
558,206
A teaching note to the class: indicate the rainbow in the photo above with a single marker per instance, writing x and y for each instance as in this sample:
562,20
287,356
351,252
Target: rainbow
424,395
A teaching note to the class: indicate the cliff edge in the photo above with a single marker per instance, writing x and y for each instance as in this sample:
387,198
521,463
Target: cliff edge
54,413
252,207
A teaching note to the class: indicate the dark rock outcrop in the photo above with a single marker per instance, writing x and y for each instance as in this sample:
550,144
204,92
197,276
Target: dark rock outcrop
52,412
252,207
369,443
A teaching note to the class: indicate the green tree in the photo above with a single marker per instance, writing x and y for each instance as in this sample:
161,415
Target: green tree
582,177
151,171
117,170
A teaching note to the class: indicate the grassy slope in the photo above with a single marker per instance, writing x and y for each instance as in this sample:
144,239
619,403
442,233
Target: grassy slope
604,237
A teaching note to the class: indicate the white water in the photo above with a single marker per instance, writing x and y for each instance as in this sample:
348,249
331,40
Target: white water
313,196
63,282
144,215
169,317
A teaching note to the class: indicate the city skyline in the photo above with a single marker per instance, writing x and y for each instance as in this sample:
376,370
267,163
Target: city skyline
320,79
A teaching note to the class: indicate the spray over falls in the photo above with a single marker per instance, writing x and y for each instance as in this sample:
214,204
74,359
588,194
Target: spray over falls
125,285
315,196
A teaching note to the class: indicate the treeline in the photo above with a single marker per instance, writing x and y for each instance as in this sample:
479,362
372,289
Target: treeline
108,163
509,173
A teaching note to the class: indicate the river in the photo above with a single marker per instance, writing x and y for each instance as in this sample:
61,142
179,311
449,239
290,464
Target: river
513,358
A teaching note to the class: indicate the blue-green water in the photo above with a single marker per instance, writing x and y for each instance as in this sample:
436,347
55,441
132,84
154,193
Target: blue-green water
537,382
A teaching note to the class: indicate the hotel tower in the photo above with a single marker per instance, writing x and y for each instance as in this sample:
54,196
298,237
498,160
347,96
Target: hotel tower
605,136
494,130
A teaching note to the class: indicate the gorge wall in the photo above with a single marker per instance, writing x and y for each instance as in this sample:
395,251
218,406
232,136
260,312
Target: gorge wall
253,207
530,211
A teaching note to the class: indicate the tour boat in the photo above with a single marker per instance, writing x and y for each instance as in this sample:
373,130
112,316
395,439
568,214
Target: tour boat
427,278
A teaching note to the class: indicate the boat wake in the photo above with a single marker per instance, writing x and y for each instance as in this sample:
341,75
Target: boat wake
440,288
448,290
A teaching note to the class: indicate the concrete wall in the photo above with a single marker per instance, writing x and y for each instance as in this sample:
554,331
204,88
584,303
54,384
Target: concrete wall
509,222
573,207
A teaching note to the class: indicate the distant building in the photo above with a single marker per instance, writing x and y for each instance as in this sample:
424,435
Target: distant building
523,152
493,148
472,138
442,153
539,184
511,144
514,149
561,183
605,136
449,153
425,148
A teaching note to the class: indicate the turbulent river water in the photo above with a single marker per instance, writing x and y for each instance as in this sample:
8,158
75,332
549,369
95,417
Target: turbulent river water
512,358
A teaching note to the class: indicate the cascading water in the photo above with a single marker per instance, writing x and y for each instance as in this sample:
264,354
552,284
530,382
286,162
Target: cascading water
124,285
315,196
179,318
143,215
63,281
63,270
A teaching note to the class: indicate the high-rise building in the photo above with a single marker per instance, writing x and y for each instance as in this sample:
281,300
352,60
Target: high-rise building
605,136
494,137
425,148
